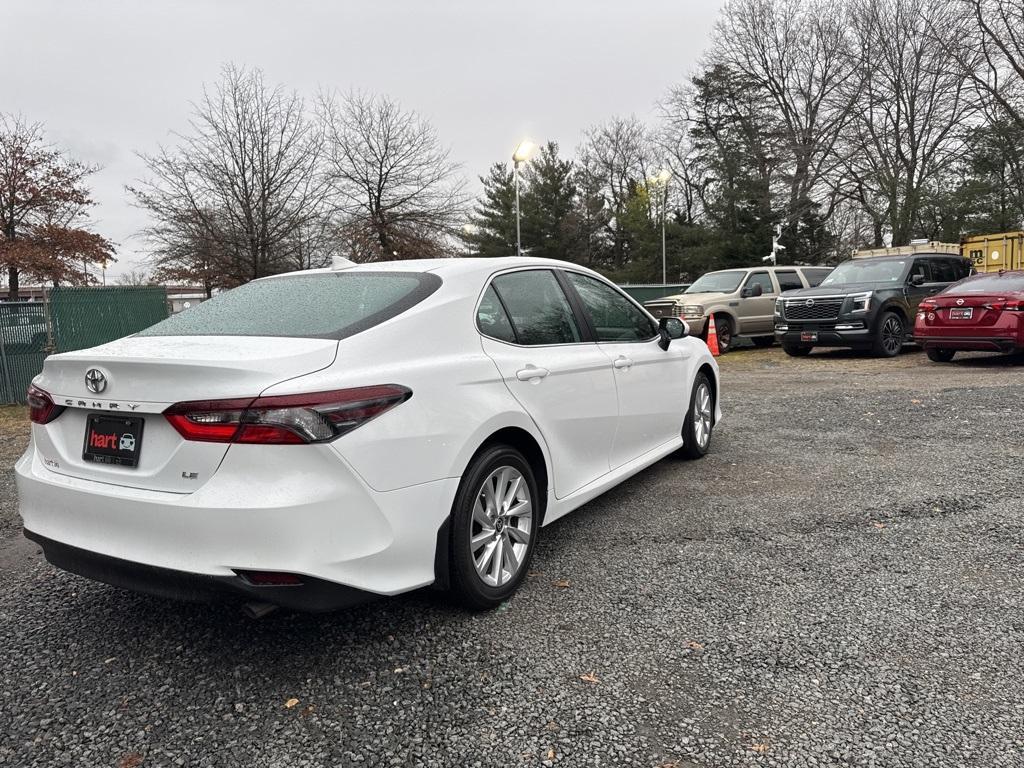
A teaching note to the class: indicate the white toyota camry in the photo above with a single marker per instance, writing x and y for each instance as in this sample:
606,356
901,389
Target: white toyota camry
313,439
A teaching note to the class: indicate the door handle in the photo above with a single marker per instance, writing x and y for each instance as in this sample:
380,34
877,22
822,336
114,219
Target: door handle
622,362
531,373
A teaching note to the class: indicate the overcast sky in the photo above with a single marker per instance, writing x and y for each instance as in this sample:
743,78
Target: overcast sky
109,78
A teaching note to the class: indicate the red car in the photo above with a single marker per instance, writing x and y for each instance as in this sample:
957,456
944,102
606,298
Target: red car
982,312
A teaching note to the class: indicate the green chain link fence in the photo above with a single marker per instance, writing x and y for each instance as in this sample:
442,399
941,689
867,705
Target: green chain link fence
69,318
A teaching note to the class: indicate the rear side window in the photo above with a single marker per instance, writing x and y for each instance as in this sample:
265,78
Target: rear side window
491,318
613,316
321,306
537,307
815,275
788,281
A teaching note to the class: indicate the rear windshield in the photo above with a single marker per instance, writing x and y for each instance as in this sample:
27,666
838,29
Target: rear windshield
1008,282
320,306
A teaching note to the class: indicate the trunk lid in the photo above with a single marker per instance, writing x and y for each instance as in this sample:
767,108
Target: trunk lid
974,310
142,376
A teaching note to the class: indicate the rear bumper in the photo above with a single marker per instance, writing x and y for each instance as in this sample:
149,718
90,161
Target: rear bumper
302,511
313,595
969,343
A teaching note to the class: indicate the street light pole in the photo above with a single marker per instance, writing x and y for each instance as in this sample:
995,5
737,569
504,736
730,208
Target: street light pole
662,179
515,173
521,155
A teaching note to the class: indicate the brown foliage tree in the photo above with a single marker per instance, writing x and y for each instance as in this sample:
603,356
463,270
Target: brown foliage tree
43,202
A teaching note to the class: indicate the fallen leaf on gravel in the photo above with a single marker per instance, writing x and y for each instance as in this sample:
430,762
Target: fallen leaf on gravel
760,748
534,573
561,583
308,710
291,703
551,754
551,726
916,402
112,658
877,524
693,645
131,760
590,677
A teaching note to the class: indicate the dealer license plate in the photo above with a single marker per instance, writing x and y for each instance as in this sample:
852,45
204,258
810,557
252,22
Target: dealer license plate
113,439
961,313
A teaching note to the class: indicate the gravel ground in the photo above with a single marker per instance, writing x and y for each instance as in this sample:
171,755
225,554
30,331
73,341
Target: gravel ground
837,583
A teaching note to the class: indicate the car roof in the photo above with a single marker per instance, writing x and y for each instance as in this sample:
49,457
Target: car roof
454,267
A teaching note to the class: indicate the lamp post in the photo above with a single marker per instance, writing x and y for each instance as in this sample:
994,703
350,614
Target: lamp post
521,155
662,180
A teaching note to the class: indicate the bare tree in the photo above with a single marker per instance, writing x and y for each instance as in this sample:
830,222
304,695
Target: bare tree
615,160
233,194
43,206
134,278
395,190
798,53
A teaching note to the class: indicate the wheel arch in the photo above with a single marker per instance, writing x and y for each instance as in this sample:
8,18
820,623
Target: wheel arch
709,371
531,448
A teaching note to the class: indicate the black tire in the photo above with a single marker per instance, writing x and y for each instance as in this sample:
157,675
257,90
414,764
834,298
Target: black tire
940,355
467,585
694,447
890,335
723,327
796,350
763,342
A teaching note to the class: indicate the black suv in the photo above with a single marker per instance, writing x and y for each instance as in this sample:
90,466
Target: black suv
866,303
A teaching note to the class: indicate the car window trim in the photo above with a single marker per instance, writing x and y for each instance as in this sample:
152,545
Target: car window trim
501,303
771,280
583,329
629,300
789,271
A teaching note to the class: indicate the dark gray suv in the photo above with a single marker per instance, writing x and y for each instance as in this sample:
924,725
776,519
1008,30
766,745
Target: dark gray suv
865,303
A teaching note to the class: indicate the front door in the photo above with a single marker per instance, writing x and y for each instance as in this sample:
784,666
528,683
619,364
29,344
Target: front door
649,380
564,383
756,313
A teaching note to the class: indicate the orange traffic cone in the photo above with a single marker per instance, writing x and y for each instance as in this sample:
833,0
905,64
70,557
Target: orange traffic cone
712,337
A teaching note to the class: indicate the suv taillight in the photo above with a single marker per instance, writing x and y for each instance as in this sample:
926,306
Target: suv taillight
284,419
41,408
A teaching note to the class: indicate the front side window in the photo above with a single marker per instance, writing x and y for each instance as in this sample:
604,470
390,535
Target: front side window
764,280
943,271
921,267
788,281
613,316
537,307
331,305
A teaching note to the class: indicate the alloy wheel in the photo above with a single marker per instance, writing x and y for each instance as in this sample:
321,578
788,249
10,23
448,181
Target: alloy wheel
702,416
501,527
892,335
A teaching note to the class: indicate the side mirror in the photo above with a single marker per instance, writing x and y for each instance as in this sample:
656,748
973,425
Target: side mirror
917,279
751,291
670,328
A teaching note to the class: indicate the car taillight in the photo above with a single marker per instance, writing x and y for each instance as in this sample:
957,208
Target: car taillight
41,408
284,419
1004,305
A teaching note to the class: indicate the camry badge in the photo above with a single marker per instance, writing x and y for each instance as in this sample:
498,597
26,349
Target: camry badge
959,302
95,381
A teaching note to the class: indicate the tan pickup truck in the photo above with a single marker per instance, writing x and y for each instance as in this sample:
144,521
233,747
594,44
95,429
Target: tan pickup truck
742,301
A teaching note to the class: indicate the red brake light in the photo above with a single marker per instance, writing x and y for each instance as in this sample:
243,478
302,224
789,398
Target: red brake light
927,306
41,408
284,419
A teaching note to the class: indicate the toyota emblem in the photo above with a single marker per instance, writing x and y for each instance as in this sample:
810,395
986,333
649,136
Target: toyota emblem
95,381
959,302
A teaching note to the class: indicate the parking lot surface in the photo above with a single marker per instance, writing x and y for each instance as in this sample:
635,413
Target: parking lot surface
839,582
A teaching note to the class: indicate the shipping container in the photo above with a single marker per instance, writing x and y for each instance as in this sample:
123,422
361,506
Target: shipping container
991,253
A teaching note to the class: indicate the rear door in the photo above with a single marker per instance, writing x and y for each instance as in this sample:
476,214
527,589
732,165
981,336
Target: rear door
560,377
650,381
